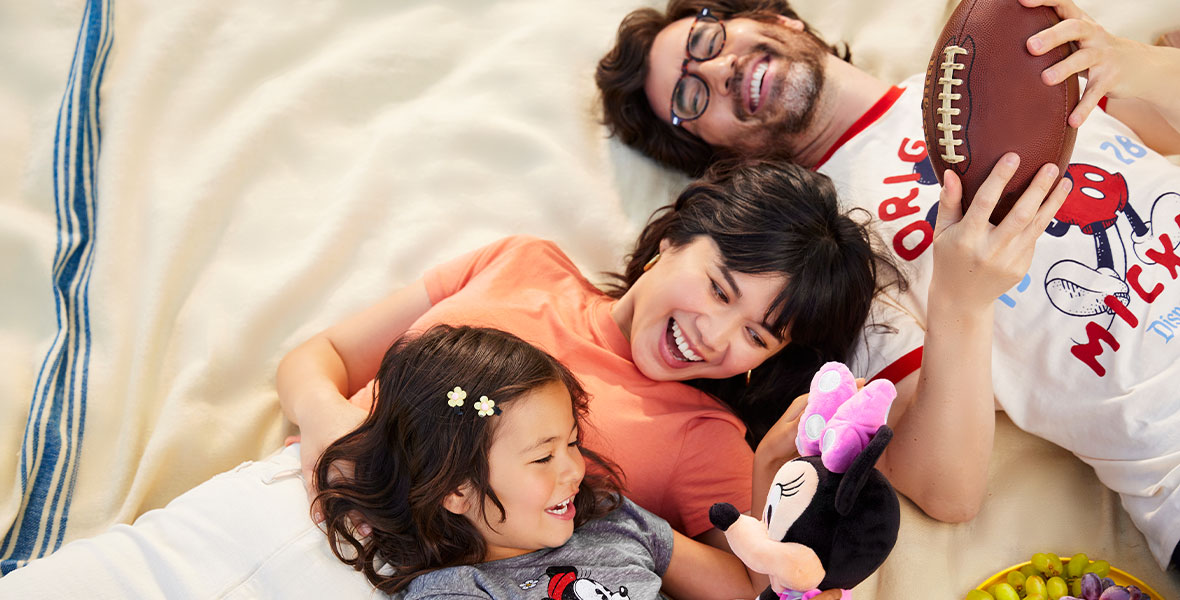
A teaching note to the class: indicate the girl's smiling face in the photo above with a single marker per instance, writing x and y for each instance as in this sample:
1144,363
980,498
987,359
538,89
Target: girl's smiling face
690,317
535,468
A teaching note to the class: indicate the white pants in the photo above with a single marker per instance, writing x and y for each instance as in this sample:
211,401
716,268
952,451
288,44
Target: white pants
244,533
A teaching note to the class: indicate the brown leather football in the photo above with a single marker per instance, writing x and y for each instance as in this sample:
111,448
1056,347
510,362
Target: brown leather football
984,96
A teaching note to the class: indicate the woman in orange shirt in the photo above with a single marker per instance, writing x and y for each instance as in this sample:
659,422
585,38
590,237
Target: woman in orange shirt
752,273
733,297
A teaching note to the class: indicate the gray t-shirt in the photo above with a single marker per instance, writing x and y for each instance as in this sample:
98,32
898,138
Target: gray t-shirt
621,555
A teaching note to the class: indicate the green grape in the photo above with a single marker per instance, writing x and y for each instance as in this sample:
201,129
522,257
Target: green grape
1055,567
1029,570
1040,561
1034,585
1076,563
1034,597
1005,592
1056,587
979,595
991,590
1075,588
1101,568
1016,580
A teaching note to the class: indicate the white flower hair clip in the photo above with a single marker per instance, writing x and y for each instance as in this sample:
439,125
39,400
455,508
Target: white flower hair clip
486,407
455,399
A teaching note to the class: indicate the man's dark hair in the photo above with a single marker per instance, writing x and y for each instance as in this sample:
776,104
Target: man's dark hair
622,72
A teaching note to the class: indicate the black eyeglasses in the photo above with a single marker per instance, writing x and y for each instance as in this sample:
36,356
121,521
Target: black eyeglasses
706,38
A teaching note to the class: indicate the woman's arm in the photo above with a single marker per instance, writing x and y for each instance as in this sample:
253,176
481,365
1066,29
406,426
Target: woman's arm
944,416
315,379
1141,82
701,571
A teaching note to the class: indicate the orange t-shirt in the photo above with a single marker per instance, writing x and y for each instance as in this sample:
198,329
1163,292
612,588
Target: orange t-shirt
679,448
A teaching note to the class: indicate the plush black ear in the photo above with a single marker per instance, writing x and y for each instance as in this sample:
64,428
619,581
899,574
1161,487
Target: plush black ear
862,467
864,538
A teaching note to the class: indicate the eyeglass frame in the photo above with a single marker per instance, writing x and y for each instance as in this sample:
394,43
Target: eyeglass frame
707,14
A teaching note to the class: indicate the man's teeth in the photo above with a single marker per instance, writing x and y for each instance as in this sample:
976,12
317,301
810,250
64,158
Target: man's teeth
682,344
756,83
560,509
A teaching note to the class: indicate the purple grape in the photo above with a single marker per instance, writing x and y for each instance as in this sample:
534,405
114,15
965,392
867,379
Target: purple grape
1115,592
1136,593
1107,582
1091,586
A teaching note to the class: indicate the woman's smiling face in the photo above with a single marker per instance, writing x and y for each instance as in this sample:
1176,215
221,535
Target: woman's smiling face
690,317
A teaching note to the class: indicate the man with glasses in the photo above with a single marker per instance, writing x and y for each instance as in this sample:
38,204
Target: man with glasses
1089,321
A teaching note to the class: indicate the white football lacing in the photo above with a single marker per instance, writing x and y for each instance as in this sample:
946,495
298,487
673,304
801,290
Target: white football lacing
946,96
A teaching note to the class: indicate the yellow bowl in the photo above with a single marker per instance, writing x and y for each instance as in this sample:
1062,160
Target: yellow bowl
1119,576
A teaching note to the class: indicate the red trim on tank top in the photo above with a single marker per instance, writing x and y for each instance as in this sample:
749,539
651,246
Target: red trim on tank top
900,368
864,121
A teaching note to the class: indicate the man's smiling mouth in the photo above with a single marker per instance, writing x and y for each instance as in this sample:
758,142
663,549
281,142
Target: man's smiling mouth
756,85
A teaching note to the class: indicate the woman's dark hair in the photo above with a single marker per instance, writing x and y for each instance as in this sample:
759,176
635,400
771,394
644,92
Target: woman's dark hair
622,73
414,450
776,217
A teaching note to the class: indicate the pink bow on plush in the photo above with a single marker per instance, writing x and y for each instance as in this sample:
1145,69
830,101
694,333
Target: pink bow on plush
839,420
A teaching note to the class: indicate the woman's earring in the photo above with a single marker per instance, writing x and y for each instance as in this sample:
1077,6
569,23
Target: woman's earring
748,375
651,263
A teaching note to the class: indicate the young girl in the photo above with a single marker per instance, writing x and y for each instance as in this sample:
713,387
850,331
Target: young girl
743,288
471,479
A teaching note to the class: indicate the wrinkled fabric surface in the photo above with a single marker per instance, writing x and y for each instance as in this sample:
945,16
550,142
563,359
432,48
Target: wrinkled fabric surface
188,189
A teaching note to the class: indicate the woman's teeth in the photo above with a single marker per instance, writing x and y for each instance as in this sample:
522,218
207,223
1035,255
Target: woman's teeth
682,344
560,509
756,84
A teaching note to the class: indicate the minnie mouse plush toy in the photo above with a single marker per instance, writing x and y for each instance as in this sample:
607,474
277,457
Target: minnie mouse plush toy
831,517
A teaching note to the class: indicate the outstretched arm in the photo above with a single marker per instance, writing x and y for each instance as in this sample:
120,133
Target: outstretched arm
1141,82
315,379
699,570
944,418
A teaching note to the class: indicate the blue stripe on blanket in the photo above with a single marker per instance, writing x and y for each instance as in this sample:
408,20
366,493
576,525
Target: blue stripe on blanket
57,416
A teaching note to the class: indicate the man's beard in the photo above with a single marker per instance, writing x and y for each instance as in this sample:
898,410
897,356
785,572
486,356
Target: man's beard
796,91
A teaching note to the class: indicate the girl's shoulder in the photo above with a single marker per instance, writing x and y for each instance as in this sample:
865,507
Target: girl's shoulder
631,530
446,584
628,547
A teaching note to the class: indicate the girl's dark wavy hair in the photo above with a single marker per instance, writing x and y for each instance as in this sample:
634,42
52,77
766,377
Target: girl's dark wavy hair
413,450
621,75
776,217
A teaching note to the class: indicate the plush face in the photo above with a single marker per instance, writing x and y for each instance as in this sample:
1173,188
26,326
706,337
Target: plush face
801,506
792,491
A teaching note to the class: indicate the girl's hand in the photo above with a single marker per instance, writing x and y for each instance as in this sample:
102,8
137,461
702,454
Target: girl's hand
974,261
1113,66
